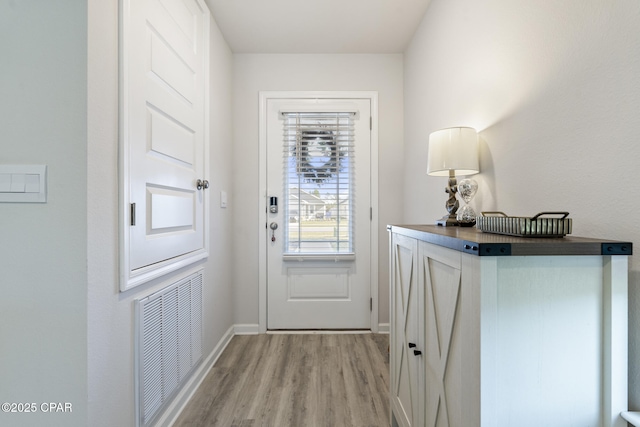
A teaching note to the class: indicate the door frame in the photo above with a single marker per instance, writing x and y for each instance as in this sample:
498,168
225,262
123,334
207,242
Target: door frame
372,96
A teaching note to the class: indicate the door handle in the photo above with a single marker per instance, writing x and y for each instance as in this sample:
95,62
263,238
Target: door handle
200,184
415,352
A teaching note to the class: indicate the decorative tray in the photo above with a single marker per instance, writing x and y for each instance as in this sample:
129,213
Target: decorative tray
499,223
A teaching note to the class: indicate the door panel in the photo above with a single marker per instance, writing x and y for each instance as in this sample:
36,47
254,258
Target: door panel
406,369
313,282
171,210
171,139
318,283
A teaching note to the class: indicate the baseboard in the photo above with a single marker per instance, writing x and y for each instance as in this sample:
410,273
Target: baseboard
383,328
246,329
176,407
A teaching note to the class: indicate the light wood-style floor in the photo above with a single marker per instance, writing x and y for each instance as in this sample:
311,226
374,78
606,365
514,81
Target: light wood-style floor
282,380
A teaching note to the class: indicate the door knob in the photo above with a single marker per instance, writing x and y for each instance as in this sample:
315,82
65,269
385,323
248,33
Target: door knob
200,184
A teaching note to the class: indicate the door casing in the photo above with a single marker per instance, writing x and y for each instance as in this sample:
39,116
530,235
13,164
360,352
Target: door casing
262,236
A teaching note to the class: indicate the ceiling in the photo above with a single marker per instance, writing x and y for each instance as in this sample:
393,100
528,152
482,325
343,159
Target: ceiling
318,26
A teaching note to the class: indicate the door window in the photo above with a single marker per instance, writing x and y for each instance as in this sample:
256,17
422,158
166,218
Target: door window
319,161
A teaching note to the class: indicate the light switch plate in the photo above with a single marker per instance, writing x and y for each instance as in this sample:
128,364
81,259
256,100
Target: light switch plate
223,199
23,183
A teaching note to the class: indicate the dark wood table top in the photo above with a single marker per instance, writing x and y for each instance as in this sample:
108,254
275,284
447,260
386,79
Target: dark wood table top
473,241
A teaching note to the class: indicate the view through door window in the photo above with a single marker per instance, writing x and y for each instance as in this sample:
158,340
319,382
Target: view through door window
319,194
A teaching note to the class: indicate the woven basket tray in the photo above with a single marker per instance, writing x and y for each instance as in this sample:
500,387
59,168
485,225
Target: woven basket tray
500,223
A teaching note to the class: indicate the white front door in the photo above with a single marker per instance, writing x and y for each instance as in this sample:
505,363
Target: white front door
318,169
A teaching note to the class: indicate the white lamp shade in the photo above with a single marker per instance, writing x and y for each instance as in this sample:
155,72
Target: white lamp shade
453,149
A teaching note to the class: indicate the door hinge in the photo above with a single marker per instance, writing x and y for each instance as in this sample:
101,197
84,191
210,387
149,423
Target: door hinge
133,214
370,123
370,214
370,304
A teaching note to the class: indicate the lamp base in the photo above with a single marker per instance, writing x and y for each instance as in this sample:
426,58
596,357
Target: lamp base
448,221
452,203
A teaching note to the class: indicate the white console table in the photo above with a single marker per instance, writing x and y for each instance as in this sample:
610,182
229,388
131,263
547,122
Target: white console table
498,331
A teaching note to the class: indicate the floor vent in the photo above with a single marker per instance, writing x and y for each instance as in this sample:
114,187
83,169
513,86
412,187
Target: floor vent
168,344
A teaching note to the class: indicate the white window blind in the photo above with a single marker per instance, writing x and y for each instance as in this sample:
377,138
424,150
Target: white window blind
319,162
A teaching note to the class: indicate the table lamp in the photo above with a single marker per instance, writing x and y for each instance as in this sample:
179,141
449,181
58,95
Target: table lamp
452,151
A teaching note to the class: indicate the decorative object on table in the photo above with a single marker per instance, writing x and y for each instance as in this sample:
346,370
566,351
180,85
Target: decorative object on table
452,151
536,226
466,216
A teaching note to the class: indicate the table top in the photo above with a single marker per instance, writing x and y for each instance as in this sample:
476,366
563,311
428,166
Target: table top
473,241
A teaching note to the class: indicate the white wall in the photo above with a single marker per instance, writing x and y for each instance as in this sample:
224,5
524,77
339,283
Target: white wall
554,89
254,73
66,333
43,330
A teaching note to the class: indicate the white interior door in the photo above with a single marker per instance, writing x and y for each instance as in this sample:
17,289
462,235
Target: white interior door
165,98
318,257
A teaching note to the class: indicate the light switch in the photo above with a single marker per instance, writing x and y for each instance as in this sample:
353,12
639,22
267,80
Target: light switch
17,183
5,182
223,199
32,183
23,183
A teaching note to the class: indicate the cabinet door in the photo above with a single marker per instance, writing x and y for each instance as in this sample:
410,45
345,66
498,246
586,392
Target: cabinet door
406,369
440,272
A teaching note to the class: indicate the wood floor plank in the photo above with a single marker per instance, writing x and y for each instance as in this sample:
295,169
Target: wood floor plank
297,380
